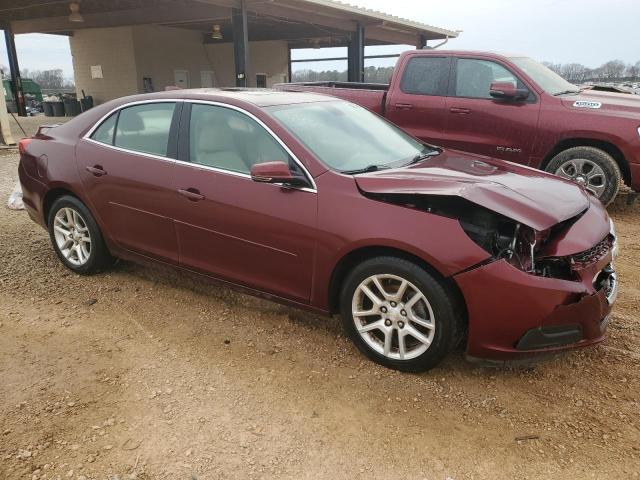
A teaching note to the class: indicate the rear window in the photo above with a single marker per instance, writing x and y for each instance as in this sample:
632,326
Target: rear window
104,133
426,76
145,128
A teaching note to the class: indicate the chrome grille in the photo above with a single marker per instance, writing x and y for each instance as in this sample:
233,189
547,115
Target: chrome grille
591,256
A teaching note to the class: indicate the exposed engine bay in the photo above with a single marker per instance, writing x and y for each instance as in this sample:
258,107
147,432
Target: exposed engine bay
502,237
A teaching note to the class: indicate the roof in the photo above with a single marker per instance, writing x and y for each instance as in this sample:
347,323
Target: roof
291,19
346,7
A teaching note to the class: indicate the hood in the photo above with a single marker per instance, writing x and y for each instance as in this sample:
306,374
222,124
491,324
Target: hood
603,101
528,196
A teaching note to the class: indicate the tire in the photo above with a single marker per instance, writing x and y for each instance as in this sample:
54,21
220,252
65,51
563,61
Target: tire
398,318
579,163
68,214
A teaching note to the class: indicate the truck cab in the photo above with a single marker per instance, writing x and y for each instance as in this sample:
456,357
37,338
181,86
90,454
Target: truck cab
512,108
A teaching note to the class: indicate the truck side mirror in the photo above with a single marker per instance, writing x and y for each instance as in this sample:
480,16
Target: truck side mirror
507,91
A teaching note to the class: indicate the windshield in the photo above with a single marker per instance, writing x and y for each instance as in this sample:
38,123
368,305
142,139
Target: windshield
549,81
347,137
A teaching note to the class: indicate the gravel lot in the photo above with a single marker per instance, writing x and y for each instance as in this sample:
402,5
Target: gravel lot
144,373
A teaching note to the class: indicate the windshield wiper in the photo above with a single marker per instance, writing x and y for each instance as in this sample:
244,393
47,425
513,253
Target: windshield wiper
367,169
423,156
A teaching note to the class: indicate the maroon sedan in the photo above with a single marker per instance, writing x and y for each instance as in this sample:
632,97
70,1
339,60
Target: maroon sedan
321,204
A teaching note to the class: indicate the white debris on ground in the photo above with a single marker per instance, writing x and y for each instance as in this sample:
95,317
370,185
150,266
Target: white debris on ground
15,199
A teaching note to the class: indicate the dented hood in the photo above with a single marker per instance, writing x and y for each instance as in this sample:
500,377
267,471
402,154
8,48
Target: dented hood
528,196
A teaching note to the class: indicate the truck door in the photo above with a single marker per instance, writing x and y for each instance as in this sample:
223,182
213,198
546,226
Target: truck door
416,102
480,124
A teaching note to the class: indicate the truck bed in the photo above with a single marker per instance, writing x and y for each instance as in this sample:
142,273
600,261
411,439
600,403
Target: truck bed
369,95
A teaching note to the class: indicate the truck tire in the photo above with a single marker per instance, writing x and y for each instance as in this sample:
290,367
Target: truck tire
590,167
399,315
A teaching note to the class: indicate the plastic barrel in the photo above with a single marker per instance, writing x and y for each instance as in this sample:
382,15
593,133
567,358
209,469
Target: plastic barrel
48,109
71,107
58,109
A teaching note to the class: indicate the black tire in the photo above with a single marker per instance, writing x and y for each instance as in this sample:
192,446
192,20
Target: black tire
602,159
99,257
448,313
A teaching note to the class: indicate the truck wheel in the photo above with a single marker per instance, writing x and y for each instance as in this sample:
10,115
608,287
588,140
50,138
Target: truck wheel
590,167
399,315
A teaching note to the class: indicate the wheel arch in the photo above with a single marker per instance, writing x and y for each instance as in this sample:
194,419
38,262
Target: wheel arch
604,145
358,255
51,196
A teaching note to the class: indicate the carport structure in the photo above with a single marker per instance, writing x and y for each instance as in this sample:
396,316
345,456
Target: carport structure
129,46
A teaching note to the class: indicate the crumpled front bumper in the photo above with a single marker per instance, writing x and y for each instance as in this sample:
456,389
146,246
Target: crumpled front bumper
513,314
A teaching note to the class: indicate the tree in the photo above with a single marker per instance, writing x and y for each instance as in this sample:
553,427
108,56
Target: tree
633,71
48,79
613,70
574,72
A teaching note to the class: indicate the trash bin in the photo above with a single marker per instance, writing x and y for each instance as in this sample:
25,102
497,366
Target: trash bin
71,107
58,109
86,103
48,109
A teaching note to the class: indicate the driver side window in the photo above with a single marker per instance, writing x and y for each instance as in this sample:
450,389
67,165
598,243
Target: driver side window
474,77
224,138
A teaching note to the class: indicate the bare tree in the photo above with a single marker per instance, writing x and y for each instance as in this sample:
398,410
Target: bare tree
633,71
50,79
613,70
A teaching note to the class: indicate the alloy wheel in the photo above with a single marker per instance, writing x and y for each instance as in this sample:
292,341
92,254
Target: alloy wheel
585,173
393,317
72,236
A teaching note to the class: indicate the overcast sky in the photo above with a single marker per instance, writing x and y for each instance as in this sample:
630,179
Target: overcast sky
590,32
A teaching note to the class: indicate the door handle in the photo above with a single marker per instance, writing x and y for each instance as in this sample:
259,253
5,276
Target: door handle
96,170
192,194
404,106
460,111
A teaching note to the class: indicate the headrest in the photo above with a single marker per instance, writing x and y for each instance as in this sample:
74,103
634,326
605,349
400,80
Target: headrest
130,121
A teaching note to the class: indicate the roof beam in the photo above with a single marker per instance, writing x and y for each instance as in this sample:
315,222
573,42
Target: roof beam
147,15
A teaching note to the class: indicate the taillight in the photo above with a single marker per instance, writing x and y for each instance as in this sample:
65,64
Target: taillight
22,145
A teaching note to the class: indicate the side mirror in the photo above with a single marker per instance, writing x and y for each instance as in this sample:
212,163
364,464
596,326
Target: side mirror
507,91
276,172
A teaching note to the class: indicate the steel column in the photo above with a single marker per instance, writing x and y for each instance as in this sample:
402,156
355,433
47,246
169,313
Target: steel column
16,81
355,61
240,43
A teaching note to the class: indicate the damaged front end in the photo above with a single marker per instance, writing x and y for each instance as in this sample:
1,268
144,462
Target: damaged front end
540,290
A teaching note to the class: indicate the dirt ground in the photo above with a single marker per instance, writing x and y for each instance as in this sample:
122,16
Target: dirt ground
144,373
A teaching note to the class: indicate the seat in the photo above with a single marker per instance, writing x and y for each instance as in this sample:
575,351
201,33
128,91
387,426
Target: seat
214,146
474,80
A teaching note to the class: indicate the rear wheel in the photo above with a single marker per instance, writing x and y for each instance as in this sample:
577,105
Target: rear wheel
590,167
399,315
75,236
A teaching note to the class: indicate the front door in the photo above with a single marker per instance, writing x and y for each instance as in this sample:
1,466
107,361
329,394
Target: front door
480,124
126,171
254,234
418,104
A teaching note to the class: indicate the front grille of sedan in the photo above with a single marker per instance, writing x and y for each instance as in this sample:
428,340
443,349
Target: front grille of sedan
593,255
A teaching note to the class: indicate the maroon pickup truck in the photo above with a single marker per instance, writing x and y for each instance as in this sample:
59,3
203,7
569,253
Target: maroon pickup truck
509,107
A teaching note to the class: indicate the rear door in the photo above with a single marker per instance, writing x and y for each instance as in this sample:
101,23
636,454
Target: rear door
255,234
480,124
417,102
126,165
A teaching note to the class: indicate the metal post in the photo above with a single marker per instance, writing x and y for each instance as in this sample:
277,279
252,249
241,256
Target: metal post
16,81
422,42
240,43
355,61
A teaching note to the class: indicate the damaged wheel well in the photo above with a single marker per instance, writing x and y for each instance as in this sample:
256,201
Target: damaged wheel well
353,258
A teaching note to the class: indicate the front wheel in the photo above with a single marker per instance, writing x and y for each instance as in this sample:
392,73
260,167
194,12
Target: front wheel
76,237
590,167
399,315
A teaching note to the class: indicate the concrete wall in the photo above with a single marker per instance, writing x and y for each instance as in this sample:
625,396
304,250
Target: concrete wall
111,48
128,54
